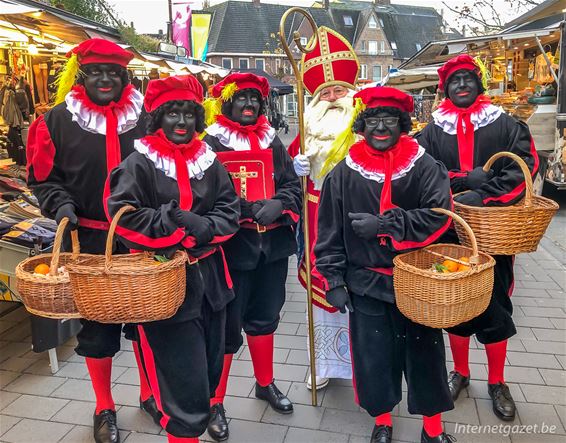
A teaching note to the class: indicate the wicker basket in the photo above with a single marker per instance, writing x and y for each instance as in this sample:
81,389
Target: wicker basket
508,230
441,300
49,296
129,288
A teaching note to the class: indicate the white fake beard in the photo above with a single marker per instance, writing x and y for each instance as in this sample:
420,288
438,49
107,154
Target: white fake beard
324,121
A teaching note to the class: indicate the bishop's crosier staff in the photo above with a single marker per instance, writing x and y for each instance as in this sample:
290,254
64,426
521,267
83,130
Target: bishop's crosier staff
298,72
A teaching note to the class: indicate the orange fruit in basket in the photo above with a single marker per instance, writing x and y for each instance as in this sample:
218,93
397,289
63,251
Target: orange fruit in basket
42,268
452,266
462,267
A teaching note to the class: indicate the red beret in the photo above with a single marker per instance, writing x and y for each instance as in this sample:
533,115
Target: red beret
243,80
180,87
98,50
463,61
380,96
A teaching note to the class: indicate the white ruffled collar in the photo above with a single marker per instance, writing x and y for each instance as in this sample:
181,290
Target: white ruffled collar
448,120
379,177
196,167
236,141
92,121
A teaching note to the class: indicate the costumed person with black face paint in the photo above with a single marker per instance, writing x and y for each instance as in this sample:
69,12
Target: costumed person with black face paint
71,149
467,130
374,205
270,199
184,198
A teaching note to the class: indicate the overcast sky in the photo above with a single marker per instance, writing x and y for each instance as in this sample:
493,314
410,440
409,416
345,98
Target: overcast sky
150,15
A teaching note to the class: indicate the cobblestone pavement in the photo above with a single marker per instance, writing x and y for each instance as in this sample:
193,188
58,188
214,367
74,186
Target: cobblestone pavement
36,406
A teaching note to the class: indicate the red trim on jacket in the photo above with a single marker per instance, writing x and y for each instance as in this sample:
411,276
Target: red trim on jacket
40,150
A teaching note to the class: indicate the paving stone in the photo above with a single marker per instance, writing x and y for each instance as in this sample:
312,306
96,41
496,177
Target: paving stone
135,437
32,406
287,328
29,431
81,434
15,349
406,429
541,285
75,390
303,330
550,302
298,357
250,432
544,312
16,364
465,411
6,326
295,435
134,419
339,397
549,334
474,434
289,372
537,414
290,342
6,377
76,413
533,360
538,438
240,386
126,395
130,376
6,398
544,394
126,358
533,322
302,417
517,374
35,384
299,394
242,368
357,423
562,360
545,347
73,370
558,323
561,411
553,377
515,344
7,422
523,301
293,317
244,408
486,415
42,367
478,389
20,332
525,333
17,315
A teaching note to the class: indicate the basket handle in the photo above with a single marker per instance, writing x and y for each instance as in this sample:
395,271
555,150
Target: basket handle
475,258
110,238
524,168
54,265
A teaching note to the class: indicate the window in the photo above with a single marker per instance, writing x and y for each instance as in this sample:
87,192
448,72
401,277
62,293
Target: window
244,63
381,22
363,45
372,23
260,64
227,63
304,41
363,72
394,46
382,47
372,47
348,20
418,45
376,73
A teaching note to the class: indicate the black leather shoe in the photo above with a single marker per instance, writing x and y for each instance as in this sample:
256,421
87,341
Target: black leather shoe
381,434
274,397
442,438
456,383
105,427
217,424
503,403
150,407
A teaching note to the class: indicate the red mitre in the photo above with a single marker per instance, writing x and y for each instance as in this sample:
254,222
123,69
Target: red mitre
380,96
98,50
332,62
241,80
180,87
463,61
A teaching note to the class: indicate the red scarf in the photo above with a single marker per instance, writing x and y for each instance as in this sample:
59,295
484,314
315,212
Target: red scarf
113,155
465,128
181,154
252,132
388,162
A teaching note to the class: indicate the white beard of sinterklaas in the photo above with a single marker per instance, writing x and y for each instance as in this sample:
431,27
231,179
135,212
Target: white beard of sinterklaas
324,121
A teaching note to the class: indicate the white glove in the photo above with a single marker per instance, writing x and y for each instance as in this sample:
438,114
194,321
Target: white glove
302,165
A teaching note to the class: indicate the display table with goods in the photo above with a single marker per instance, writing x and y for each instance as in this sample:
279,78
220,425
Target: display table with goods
23,234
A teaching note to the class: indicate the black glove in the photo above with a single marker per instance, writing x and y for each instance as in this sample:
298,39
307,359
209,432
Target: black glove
477,177
340,299
246,209
67,210
471,198
196,225
365,226
270,211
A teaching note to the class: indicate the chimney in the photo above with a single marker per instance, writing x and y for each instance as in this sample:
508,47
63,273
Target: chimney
327,4
256,3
